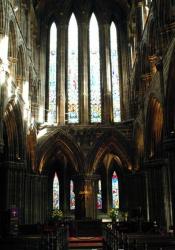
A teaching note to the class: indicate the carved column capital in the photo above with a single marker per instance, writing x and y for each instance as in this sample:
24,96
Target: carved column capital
152,60
145,79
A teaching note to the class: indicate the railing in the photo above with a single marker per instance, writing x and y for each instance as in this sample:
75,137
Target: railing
46,240
55,240
115,240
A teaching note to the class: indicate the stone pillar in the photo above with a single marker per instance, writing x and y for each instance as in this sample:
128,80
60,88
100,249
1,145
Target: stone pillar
159,66
15,186
139,20
169,145
3,71
12,64
2,79
106,74
86,196
36,198
83,69
158,192
61,98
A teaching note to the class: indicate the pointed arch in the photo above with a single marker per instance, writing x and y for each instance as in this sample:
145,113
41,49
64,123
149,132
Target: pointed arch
12,41
95,86
58,143
113,143
12,49
115,73
73,86
13,131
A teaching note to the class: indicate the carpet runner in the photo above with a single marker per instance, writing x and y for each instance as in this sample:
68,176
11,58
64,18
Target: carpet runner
86,243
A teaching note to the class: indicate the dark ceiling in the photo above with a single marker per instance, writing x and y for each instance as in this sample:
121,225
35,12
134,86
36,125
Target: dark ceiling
44,7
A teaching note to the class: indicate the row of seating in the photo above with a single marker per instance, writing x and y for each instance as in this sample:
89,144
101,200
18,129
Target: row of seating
115,240
48,239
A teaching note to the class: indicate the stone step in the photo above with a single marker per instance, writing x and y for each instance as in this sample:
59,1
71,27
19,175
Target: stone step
85,243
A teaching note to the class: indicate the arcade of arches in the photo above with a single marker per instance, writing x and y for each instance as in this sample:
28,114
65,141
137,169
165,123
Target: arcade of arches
87,108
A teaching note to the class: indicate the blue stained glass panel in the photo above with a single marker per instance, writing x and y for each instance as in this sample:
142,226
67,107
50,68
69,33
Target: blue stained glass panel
99,196
95,88
73,89
115,191
52,74
72,196
56,190
115,74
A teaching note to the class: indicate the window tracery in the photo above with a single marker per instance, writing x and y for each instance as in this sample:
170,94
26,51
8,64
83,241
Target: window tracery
52,73
73,88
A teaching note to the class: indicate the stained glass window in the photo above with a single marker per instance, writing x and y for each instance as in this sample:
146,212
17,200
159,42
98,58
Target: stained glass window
56,190
52,74
72,196
95,88
73,93
115,191
99,196
115,74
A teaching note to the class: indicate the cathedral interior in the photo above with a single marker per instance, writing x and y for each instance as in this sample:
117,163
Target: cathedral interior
87,113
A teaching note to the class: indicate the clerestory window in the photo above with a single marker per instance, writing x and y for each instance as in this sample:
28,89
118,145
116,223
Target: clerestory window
52,116
115,74
71,87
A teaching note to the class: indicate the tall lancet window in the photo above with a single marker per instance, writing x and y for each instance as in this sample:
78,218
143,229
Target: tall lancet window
95,87
115,190
72,196
52,74
99,196
73,89
56,192
115,74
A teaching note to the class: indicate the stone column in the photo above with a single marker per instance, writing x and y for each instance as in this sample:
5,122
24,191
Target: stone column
3,71
106,74
61,98
159,66
139,20
169,145
12,64
36,198
83,70
15,188
158,192
2,79
86,196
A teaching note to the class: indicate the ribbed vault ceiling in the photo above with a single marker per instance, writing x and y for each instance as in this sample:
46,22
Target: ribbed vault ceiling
47,6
